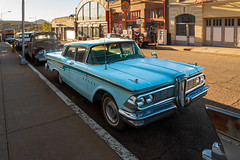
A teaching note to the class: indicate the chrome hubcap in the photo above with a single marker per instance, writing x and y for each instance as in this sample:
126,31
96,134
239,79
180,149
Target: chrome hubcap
111,112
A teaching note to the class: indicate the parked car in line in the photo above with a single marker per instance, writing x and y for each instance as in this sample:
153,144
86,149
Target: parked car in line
18,39
41,43
132,88
227,125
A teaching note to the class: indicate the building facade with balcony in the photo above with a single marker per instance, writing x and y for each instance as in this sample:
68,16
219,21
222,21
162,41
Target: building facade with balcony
204,22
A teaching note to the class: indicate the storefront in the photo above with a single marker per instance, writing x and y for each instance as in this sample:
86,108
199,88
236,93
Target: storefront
91,20
145,19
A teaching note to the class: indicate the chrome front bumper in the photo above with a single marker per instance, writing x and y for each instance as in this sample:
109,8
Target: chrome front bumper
141,118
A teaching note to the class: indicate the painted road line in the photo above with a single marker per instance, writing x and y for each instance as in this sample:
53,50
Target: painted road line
111,141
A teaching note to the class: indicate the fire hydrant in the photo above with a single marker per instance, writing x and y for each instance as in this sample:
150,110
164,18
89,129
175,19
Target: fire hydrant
13,47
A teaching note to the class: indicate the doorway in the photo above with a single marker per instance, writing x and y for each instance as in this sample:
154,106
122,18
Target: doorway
185,29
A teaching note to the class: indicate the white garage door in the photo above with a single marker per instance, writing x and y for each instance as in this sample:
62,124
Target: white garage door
70,35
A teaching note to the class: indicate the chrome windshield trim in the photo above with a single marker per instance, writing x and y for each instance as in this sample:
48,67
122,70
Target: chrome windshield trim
158,103
130,116
156,91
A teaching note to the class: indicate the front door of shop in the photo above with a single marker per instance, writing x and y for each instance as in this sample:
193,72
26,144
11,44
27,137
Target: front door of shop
185,30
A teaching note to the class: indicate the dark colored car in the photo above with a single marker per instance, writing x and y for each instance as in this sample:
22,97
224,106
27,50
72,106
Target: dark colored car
41,43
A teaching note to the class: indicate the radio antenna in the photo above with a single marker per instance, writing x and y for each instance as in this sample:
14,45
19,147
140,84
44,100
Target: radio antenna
105,55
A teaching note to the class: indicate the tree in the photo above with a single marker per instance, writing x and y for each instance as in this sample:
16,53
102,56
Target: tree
46,26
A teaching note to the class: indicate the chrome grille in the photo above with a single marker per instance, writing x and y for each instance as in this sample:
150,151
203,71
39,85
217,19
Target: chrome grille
191,84
164,94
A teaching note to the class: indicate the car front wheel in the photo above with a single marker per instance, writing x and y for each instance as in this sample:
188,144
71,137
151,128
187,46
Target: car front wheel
110,112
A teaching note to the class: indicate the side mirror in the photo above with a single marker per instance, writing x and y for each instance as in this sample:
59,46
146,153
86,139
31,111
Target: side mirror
154,54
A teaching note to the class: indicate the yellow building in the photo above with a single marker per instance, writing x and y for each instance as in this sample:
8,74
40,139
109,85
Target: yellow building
204,22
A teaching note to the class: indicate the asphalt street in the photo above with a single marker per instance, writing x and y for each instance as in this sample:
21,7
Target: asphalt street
184,134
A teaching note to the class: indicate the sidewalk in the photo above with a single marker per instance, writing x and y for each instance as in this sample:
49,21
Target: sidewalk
200,49
36,124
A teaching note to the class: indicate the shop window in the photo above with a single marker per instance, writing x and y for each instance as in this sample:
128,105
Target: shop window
133,15
154,13
181,29
85,31
96,32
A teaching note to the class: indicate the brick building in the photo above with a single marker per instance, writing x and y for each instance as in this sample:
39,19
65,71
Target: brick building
151,13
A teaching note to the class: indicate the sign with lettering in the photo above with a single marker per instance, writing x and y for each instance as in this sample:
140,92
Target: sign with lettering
125,5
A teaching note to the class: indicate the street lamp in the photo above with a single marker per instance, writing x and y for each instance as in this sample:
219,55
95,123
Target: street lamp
23,60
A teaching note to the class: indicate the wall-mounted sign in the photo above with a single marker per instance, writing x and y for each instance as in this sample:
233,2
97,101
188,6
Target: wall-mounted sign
125,5
139,21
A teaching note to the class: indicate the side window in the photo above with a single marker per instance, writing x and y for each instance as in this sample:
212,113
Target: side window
80,54
70,53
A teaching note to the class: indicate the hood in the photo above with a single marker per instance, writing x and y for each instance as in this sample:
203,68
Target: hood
47,44
142,73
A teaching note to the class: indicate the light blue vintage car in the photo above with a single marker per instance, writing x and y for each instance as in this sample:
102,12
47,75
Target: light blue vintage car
132,88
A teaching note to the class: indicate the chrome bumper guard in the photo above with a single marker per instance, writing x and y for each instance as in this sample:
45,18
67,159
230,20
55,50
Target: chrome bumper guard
141,118
197,93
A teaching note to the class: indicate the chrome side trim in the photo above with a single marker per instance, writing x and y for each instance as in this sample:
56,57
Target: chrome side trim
158,103
132,117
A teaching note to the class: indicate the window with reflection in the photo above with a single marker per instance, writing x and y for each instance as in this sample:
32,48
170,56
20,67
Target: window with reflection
86,11
94,10
102,12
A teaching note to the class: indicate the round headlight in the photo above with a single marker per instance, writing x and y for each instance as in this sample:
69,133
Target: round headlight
140,102
197,80
202,78
149,99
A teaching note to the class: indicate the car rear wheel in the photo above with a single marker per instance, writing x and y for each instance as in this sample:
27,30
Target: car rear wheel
110,112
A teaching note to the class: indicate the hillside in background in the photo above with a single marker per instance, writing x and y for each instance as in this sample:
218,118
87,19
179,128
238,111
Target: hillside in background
18,24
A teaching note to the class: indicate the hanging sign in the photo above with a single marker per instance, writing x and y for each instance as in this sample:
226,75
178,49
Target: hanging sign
125,5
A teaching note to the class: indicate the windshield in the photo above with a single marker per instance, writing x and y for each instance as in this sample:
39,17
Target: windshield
27,35
114,52
46,37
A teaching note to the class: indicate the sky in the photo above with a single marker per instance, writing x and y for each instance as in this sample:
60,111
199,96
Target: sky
37,9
